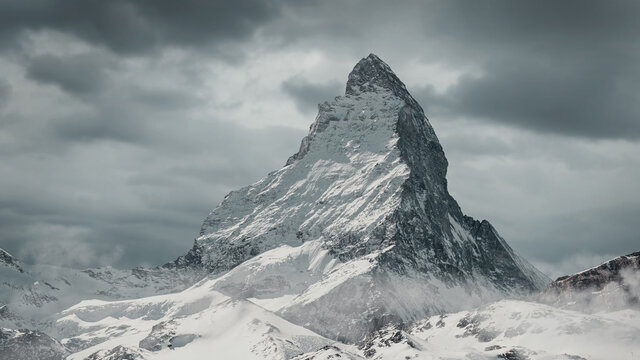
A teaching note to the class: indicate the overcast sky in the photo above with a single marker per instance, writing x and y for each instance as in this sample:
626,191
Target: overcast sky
123,123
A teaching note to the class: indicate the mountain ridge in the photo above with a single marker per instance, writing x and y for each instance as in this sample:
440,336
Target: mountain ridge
612,285
368,182
428,167
372,71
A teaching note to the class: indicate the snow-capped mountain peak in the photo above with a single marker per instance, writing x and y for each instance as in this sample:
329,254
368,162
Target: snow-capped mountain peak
368,190
370,74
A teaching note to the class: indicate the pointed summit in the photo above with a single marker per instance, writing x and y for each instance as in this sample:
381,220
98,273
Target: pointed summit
370,74
362,216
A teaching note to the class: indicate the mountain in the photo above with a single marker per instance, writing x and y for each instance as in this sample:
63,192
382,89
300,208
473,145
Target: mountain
614,285
188,325
201,321
363,218
30,295
512,330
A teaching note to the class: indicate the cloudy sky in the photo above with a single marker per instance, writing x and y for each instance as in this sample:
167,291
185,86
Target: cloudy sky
123,123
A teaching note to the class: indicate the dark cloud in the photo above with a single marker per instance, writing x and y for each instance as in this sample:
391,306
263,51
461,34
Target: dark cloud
570,99
499,26
308,95
5,92
167,99
571,68
77,74
574,233
103,124
134,27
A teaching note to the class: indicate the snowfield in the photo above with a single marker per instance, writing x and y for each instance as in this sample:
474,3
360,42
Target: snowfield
522,330
200,321
192,324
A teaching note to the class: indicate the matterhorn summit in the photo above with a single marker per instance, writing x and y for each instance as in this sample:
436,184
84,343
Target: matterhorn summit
358,229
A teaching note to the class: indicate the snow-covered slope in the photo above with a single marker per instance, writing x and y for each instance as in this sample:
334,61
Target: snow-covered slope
193,324
367,195
515,330
31,294
201,321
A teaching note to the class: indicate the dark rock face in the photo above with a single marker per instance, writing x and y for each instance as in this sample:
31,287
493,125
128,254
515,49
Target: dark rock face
7,259
160,336
610,286
513,354
384,337
191,260
29,344
117,353
598,277
424,218
370,73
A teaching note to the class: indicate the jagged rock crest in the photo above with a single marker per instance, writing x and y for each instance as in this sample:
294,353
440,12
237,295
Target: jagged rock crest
369,181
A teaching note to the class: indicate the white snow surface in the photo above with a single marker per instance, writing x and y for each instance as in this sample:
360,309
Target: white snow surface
532,330
200,321
238,316
193,324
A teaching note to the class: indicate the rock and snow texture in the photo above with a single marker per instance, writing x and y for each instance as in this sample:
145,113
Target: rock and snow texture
31,294
194,324
613,285
29,345
367,194
511,329
8,261
201,321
